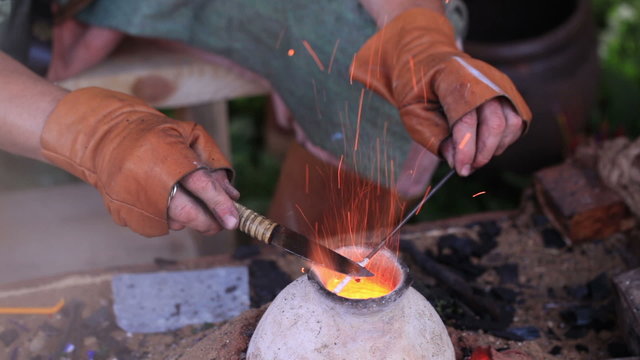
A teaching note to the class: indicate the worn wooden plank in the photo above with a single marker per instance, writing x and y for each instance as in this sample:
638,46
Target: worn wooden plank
166,78
58,229
578,204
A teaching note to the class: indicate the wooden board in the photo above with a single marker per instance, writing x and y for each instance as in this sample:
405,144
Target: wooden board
166,78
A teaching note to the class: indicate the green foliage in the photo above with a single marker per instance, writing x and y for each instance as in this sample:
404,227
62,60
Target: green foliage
619,49
256,171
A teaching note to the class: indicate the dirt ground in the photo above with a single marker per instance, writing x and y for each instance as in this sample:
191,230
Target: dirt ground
85,328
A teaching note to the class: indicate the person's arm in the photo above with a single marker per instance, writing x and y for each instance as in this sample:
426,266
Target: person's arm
131,153
470,113
26,100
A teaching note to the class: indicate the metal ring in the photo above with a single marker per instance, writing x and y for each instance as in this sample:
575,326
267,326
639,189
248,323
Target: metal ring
174,189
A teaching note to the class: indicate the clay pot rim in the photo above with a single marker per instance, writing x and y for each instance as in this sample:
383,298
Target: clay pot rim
371,303
530,47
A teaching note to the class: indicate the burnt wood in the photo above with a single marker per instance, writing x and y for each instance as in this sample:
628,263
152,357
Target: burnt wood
454,283
578,204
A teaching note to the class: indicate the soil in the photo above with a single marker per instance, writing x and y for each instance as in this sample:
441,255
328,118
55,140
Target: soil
545,284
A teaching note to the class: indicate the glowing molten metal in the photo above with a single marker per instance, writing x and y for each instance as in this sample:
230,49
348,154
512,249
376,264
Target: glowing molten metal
388,275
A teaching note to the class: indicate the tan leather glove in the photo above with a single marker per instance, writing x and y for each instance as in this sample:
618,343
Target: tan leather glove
414,63
130,152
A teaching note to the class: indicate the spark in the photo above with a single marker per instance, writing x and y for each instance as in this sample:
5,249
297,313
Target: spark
333,55
413,74
380,48
369,71
313,54
426,193
306,178
291,52
378,164
415,168
349,229
303,216
355,147
302,270
340,171
280,38
315,98
464,141
480,193
33,310
353,66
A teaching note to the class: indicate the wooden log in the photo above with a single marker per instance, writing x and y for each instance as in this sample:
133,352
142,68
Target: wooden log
579,204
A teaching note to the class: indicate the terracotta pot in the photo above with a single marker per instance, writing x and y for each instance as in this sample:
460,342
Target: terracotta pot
549,50
306,321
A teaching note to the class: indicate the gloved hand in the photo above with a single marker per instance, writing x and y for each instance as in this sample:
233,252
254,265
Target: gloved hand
134,155
414,63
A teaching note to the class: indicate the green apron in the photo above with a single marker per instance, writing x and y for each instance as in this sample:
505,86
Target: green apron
336,115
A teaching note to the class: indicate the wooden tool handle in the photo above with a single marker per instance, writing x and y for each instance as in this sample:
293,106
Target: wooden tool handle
255,225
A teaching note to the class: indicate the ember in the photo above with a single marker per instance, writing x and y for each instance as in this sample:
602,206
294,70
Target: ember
388,275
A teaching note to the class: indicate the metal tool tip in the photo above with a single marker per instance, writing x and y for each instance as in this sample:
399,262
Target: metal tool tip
361,272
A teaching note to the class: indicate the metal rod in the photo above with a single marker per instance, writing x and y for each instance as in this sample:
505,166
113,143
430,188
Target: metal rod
395,230
410,215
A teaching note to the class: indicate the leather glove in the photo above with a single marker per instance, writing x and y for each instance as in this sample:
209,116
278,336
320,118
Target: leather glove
414,63
131,153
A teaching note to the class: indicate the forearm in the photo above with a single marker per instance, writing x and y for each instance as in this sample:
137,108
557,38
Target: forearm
384,11
26,100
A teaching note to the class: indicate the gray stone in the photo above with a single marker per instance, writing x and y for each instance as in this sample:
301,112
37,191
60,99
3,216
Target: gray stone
158,302
9,336
38,342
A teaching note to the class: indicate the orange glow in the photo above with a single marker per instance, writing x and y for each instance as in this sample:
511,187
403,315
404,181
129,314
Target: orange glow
291,52
480,193
481,354
362,289
387,276
353,210
32,310
313,54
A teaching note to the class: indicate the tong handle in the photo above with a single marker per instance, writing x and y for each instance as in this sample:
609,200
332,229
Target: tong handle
255,225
